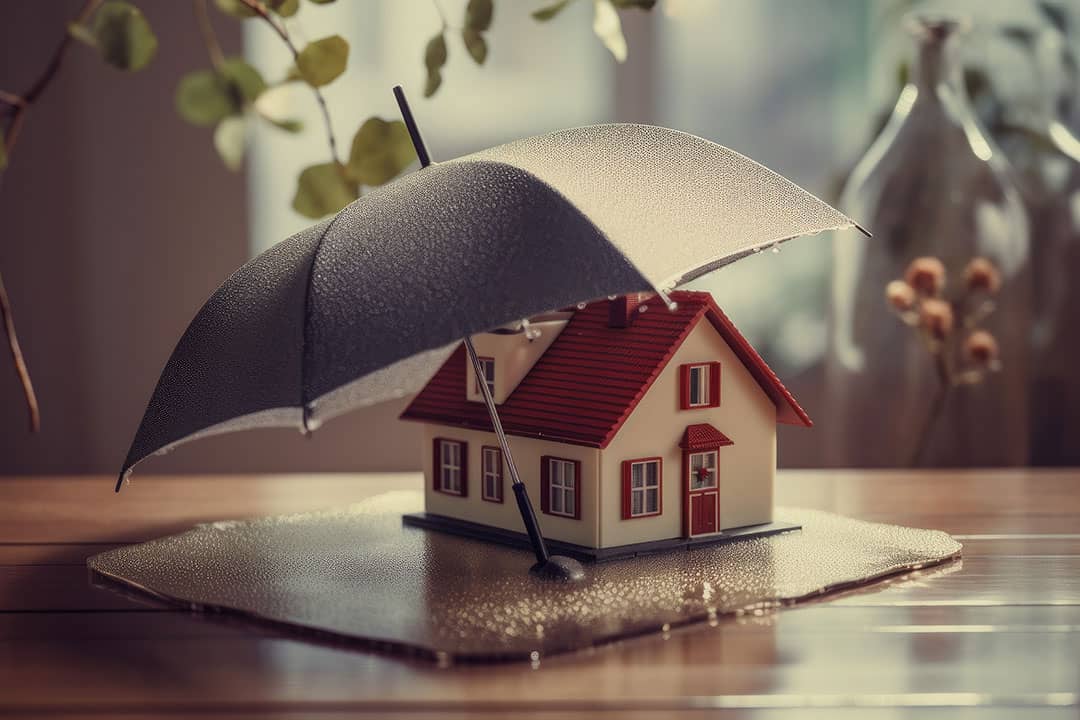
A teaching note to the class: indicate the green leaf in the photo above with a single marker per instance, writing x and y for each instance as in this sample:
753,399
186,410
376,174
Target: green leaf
322,190
321,2
380,151
608,28
229,138
434,59
205,97
323,60
124,37
478,14
243,79
83,34
202,98
639,4
1055,15
546,13
475,44
235,8
284,8
3,151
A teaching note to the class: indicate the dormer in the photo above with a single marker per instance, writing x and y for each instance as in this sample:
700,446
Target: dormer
509,353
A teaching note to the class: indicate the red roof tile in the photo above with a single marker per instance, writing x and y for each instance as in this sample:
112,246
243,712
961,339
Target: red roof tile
589,381
704,436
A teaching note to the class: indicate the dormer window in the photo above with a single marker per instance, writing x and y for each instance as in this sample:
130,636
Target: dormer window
488,366
699,385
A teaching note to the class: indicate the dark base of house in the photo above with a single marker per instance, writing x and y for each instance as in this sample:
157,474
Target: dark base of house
454,526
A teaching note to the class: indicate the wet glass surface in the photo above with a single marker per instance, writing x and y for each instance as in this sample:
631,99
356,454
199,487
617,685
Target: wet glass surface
358,575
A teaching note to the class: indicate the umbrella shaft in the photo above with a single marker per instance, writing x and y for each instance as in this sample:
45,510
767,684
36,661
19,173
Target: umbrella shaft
528,516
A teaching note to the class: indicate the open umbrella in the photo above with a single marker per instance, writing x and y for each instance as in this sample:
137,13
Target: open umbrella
367,305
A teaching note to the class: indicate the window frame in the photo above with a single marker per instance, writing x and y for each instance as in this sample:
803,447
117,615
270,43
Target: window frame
546,487
485,363
438,466
711,378
498,475
629,490
715,453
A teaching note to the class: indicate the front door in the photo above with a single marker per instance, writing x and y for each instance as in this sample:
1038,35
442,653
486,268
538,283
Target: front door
702,494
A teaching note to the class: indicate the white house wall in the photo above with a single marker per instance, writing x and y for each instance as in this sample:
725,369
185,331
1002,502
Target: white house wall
746,470
527,453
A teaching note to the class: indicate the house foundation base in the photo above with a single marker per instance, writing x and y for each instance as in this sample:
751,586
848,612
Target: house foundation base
488,533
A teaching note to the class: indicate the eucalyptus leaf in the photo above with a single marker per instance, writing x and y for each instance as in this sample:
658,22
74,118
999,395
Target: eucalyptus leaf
83,34
321,61
546,13
244,78
431,85
380,151
229,141
235,8
608,28
275,106
321,2
203,98
322,190
284,8
124,37
1055,15
475,44
478,14
434,60
639,4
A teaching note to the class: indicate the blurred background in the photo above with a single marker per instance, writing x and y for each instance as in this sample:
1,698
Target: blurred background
118,218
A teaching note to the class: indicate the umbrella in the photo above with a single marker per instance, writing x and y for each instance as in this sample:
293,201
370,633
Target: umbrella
366,306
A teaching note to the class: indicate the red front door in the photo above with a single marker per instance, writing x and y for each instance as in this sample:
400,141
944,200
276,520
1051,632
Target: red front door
702,493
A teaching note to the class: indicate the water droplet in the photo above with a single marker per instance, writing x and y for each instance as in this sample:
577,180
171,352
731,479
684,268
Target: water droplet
581,305
642,308
776,249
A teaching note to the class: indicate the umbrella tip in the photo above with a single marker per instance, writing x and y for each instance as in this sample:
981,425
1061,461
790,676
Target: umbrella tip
410,124
120,480
861,229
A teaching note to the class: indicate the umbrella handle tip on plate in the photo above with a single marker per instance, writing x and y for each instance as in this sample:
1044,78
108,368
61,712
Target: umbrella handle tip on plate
559,567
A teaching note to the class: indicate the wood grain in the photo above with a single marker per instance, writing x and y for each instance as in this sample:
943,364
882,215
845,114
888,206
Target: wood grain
994,635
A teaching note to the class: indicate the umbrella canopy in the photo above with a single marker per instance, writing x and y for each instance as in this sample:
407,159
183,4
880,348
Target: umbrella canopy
365,306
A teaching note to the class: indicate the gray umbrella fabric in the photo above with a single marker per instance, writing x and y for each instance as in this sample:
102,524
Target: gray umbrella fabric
365,306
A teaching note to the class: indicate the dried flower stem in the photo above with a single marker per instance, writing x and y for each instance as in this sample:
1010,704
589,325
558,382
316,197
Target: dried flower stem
206,29
259,9
21,106
937,406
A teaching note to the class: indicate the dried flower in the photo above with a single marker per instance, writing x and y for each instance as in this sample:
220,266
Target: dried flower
900,295
981,348
936,316
981,275
926,275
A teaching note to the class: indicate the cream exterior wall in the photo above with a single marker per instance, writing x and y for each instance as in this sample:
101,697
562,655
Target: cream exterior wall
527,453
746,470
514,356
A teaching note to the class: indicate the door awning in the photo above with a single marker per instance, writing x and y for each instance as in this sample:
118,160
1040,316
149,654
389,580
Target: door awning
703,436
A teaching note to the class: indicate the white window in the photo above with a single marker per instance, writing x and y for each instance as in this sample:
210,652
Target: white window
644,487
488,366
703,470
562,487
451,466
491,462
699,385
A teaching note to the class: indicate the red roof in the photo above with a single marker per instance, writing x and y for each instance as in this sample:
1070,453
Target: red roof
587,383
703,437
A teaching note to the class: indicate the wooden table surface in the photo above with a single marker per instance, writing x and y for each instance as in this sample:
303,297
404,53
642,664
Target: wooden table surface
996,635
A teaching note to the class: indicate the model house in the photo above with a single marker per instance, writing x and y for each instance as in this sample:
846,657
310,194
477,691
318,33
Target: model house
635,427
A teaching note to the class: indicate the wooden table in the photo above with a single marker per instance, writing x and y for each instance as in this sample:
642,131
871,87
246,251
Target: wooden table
996,636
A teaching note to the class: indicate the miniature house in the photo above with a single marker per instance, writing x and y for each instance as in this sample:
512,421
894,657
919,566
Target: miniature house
637,428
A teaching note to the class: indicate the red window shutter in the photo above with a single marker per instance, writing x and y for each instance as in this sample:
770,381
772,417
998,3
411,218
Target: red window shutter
464,469
684,387
626,489
436,465
545,484
714,384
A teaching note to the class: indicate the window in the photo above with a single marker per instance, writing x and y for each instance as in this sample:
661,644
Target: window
560,491
451,476
491,474
703,470
488,366
699,385
641,487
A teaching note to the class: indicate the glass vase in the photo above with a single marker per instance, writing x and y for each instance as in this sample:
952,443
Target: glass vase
937,377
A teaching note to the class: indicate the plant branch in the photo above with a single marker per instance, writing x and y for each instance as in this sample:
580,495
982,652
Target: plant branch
259,9
206,29
17,358
21,105
937,405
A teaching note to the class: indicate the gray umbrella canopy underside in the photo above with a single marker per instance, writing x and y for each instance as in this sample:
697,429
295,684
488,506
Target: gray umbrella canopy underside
365,307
